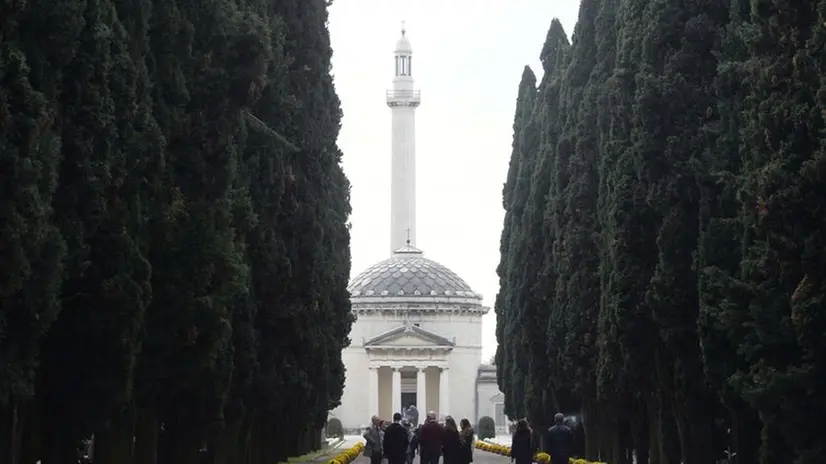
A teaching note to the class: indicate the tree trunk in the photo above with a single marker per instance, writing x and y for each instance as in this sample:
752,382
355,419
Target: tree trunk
591,427
225,447
10,433
624,442
669,437
115,441
181,445
641,433
59,447
744,437
655,454
695,426
147,430
30,446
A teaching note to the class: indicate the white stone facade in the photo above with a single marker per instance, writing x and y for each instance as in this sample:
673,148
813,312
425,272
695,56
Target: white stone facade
418,334
401,350
489,399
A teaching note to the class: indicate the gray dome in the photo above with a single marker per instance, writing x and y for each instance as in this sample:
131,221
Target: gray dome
408,273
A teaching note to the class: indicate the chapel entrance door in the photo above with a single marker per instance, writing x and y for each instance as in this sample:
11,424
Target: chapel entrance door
408,398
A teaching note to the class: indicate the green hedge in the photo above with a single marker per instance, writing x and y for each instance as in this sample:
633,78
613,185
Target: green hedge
334,428
486,428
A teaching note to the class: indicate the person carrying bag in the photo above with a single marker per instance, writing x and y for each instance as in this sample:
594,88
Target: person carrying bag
374,439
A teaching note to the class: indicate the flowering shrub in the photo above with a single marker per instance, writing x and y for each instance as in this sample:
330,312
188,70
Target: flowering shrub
349,455
540,457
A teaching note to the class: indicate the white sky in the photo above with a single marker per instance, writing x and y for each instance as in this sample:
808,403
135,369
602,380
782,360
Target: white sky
468,59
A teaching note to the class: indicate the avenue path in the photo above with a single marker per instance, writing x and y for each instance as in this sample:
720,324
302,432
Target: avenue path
479,457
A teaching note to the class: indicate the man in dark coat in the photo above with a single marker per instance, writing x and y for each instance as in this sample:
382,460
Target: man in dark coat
396,441
431,440
559,440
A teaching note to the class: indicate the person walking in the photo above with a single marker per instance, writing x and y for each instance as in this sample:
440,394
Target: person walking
413,441
559,440
396,441
412,415
466,435
452,445
523,447
431,440
374,440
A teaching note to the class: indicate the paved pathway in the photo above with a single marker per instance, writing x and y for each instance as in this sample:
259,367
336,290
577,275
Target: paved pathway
479,457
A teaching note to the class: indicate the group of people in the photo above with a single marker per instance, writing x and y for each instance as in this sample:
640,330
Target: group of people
400,441
559,442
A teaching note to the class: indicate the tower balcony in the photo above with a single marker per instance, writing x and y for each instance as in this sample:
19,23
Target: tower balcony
397,98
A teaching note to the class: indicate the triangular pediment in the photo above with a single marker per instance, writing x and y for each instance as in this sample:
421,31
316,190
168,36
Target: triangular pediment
408,336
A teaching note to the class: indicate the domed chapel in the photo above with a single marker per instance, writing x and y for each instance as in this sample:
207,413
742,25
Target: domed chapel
417,338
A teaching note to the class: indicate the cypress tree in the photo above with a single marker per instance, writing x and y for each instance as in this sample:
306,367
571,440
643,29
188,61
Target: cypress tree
504,311
32,247
188,151
316,309
538,291
676,83
680,232
719,252
205,57
106,283
782,129
628,224
577,260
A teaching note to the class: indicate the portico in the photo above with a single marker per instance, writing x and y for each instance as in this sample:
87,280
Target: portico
409,385
408,365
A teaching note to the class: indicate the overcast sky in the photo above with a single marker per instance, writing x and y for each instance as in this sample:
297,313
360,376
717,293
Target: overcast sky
468,59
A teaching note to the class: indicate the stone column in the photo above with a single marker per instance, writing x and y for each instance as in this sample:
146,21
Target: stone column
444,392
397,391
374,390
421,393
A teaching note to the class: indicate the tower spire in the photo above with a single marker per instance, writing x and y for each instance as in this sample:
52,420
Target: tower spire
403,99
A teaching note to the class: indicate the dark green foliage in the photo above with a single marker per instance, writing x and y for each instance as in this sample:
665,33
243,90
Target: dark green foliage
486,428
31,247
334,428
505,352
673,156
175,249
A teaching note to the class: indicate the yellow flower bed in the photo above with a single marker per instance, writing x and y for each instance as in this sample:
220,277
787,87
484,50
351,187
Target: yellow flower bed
349,455
540,457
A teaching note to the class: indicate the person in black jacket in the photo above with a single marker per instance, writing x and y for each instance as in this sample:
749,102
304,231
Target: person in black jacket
467,436
431,439
523,447
559,440
413,447
452,445
396,441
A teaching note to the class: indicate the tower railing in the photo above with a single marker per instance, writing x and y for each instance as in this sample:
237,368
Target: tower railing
403,97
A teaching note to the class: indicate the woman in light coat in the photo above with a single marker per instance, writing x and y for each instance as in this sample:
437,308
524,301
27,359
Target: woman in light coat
374,438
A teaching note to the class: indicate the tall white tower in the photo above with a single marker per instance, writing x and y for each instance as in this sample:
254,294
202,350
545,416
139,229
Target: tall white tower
403,100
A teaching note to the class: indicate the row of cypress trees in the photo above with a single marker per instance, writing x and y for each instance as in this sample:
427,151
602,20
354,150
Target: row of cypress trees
174,248
663,271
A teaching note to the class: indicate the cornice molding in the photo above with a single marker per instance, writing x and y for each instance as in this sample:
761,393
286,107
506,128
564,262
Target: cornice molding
423,306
